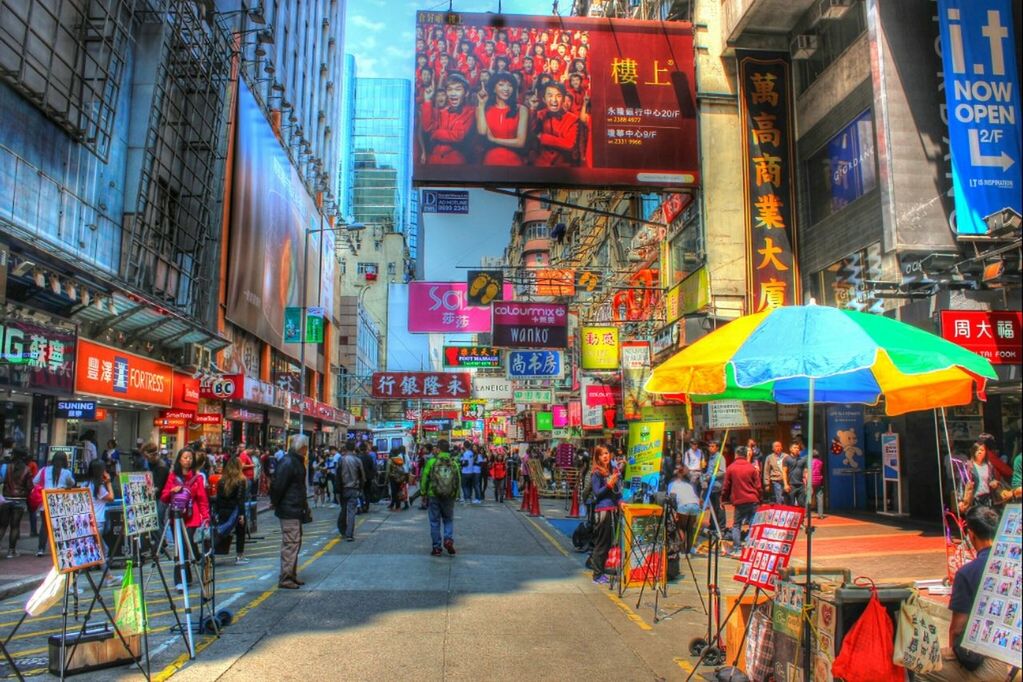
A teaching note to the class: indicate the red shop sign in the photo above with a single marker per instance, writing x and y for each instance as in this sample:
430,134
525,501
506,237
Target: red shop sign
207,418
177,414
112,373
186,392
227,387
994,335
422,385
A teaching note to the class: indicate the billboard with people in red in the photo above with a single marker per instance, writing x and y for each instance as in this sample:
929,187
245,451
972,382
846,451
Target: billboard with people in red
516,100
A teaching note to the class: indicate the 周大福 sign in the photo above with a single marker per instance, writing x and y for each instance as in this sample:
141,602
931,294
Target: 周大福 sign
422,385
530,325
996,334
535,364
598,102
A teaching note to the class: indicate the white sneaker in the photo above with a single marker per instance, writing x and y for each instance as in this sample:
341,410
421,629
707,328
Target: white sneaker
180,587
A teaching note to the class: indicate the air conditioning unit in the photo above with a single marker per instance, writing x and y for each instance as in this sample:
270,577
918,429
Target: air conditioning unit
804,46
196,357
829,10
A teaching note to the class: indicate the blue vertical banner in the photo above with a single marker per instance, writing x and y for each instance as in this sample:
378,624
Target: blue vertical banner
978,51
846,486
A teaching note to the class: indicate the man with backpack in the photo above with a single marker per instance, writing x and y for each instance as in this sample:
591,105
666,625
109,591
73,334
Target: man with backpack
440,484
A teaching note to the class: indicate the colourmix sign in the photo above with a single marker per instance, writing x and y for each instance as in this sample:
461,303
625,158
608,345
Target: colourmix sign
530,325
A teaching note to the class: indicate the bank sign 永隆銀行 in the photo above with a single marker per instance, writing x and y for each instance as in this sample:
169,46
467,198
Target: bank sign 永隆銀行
981,90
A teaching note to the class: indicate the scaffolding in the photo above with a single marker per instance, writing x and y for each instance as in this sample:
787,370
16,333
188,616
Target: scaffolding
171,239
68,59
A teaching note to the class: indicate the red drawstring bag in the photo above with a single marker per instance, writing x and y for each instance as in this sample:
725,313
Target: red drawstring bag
867,648
614,558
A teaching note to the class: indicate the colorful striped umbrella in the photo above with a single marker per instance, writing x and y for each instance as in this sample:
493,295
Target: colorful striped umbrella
846,356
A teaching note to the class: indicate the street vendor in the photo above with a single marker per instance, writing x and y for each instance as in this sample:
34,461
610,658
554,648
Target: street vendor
960,664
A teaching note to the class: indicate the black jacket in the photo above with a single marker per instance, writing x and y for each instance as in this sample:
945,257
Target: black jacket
225,503
287,492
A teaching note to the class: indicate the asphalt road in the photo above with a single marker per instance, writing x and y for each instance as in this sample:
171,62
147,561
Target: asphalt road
514,603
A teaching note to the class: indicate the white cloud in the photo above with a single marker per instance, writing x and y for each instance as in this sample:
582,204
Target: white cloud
365,23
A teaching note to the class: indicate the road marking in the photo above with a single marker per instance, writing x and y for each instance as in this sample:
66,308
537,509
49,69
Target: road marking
629,613
265,576
684,664
547,535
201,646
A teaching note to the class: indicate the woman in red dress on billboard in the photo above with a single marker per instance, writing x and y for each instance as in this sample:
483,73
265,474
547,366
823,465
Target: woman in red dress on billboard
502,121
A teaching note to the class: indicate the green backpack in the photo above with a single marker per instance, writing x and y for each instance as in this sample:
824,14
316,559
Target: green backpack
444,479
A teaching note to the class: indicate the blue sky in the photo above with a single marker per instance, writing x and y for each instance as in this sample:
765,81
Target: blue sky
380,33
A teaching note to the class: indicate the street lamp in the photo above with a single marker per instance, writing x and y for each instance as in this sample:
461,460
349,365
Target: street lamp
304,284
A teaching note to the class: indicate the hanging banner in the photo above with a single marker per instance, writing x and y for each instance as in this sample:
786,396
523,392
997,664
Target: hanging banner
606,102
314,325
292,325
473,409
772,276
530,325
559,416
575,413
643,463
444,307
978,50
635,370
472,356
845,457
740,414
599,348
422,385
536,364
592,412
484,286
587,281
544,421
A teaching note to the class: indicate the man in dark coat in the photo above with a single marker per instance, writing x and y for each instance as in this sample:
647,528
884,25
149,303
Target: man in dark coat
288,498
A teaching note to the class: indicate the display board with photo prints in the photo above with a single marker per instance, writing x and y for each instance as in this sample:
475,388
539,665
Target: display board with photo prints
140,513
994,628
75,542
768,548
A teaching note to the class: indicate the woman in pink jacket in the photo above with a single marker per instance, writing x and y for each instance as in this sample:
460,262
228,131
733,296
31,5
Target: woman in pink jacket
185,497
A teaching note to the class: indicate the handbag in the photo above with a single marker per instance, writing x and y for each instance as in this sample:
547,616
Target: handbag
916,639
49,592
129,613
760,646
35,498
866,654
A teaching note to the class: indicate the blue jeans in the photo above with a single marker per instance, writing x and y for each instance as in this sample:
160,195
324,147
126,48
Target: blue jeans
441,509
349,508
778,491
743,514
469,487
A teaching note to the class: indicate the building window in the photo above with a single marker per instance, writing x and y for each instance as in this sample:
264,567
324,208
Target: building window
687,252
833,37
537,230
392,268
368,268
843,170
845,283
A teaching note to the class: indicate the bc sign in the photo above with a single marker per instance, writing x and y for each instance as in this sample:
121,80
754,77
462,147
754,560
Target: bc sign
535,364
981,91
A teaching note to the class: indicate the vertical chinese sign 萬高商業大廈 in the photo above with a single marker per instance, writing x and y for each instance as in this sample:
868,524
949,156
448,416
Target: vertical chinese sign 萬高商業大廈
772,274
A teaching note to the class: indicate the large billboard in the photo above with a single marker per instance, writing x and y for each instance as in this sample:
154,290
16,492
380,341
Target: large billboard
270,213
520,100
981,89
